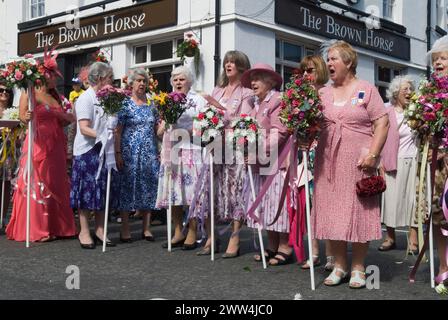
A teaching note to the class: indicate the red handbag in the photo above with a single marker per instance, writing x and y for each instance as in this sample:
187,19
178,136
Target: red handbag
370,186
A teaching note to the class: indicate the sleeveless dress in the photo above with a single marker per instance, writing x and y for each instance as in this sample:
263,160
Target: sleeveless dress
50,212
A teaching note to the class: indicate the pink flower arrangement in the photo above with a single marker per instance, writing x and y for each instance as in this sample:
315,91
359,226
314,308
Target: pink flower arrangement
208,125
22,72
301,107
170,106
111,99
245,130
427,114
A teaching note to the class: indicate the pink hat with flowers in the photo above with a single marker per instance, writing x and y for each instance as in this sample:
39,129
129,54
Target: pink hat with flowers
261,68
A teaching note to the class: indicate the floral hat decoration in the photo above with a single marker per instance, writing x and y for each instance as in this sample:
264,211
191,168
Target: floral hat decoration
51,69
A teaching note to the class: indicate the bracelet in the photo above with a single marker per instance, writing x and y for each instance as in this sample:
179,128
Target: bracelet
372,155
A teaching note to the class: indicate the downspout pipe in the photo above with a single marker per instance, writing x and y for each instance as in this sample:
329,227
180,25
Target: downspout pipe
217,56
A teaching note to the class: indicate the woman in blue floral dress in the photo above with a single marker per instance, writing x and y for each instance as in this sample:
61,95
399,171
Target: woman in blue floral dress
137,156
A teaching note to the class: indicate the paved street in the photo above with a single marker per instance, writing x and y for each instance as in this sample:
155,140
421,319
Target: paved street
143,270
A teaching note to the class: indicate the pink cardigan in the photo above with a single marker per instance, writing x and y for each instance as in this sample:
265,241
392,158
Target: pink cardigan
267,117
238,103
389,155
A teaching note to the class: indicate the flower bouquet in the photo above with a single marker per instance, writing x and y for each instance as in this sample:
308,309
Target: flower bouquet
301,108
111,99
24,71
208,125
189,48
170,106
11,114
245,131
100,57
427,114
66,104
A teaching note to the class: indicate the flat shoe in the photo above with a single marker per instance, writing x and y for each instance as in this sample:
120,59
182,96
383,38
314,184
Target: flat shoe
356,281
230,255
150,238
270,254
387,245
334,278
173,244
281,262
316,263
188,247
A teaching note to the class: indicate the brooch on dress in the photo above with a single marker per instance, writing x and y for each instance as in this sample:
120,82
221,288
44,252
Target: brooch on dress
359,100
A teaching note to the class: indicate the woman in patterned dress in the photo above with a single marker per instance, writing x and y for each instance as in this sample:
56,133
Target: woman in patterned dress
351,140
137,156
265,83
88,193
185,171
231,97
439,60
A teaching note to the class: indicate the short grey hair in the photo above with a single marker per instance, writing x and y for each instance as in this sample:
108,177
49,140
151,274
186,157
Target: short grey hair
395,86
186,72
134,73
99,70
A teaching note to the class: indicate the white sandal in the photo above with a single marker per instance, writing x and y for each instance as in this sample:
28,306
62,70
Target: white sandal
334,278
356,281
329,266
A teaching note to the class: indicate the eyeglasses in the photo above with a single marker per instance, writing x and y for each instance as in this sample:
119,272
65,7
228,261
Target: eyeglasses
310,70
2,90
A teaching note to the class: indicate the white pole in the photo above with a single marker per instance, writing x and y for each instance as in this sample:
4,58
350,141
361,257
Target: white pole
260,237
170,208
212,210
308,219
106,211
170,196
431,239
3,195
28,165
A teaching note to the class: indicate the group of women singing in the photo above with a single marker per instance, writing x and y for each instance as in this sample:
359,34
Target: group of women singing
359,134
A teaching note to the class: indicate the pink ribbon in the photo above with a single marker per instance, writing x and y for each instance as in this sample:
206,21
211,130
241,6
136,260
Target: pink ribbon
268,182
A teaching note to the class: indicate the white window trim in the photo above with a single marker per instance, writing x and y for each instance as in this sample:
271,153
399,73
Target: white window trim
28,8
160,63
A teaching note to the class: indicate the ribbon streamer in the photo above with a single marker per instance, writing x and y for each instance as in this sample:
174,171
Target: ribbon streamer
108,146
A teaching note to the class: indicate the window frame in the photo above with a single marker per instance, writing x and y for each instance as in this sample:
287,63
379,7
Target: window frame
30,5
392,68
305,49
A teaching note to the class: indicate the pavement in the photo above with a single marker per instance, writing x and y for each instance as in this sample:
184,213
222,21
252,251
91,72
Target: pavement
143,270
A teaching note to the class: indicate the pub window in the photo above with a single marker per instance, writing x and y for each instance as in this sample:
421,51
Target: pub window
37,8
160,58
383,77
141,54
288,56
441,8
388,9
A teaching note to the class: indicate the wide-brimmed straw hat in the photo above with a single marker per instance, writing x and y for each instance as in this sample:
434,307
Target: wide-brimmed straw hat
261,68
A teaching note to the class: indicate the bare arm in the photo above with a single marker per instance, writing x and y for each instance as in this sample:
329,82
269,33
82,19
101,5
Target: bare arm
212,101
160,129
84,127
381,127
24,115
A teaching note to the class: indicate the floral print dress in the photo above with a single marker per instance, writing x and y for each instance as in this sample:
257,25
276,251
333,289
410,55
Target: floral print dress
136,184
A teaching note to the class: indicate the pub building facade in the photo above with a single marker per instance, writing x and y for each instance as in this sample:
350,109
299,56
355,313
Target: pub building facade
134,33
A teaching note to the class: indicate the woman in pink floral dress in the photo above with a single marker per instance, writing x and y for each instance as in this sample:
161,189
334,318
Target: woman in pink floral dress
354,133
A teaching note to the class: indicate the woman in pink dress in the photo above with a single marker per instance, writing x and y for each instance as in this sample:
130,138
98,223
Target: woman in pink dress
353,136
50,213
232,98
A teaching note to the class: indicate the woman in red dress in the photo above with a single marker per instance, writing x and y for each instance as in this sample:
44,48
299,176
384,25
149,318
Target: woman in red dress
50,213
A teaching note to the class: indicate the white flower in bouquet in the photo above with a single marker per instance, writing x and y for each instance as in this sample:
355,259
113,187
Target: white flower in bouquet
213,133
11,114
29,72
251,137
209,114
